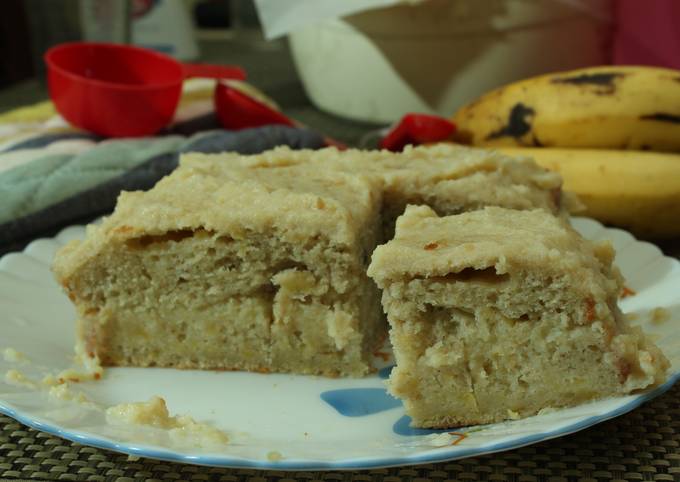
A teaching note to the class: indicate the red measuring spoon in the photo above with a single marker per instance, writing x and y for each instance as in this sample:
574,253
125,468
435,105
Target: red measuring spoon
240,106
120,90
417,129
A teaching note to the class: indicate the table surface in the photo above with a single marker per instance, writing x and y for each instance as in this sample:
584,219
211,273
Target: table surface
641,445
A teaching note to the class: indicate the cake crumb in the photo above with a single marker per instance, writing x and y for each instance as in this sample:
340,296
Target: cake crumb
154,413
18,379
626,292
55,390
190,432
659,315
274,456
512,415
50,381
89,361
76,376
64,393
11,355
631,316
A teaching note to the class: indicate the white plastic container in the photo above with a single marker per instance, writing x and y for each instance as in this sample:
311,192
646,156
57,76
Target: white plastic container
438,55
165,26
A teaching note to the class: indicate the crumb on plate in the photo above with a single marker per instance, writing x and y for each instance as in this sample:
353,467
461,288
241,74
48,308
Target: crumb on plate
659,315
18,379
11,355
274,456
154,413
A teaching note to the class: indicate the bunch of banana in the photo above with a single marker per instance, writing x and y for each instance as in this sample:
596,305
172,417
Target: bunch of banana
596,127
637,190
603,107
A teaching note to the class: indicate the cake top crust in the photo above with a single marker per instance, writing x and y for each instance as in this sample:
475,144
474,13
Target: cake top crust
447,176
430,163
297,204
426,245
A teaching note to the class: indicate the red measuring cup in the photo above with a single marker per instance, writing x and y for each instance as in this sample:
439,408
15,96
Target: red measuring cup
120,90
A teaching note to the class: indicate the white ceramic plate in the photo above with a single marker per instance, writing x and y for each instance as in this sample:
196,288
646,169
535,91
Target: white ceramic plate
311,422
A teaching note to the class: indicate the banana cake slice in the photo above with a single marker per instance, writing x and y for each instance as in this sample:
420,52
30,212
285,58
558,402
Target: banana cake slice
499,313
234,269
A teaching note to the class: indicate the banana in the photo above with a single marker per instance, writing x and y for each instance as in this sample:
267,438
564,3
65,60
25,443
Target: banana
612,107
636,190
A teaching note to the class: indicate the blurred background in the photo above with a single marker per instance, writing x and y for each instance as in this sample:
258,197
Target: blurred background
185,29
361,64
346,69
215,31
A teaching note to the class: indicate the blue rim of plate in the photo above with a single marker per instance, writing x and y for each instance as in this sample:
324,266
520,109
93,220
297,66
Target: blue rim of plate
440,455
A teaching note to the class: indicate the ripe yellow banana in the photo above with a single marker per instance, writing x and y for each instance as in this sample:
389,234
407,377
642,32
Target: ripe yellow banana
612,107
636,190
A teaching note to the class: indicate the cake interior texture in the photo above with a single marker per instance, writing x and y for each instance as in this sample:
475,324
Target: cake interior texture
233,270
259,262
500,313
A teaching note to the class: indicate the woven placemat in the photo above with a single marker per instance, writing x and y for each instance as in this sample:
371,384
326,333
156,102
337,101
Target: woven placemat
641,445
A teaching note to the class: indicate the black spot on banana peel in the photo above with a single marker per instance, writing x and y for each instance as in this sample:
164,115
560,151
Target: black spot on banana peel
519,123
601,78
603,81
662,117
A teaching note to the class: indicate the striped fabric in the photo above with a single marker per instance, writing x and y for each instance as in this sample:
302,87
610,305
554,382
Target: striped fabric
52,174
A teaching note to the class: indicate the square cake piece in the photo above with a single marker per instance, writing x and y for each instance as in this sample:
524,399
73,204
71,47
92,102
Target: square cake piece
449,178
234,269
499,313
